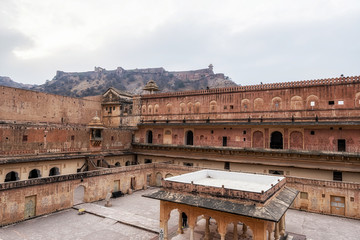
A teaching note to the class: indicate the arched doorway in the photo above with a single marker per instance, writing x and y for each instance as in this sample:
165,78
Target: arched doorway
158,179
149,137
11,176
189,138
54,171
168,175
276,141
35,173
79,194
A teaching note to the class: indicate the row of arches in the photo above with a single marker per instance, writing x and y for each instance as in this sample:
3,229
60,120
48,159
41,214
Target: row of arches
276,139
34,173
258,104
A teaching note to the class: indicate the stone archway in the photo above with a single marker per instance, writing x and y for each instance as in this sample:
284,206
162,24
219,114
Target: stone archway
35,173
158,179
189,138
149,137
276,140
11,176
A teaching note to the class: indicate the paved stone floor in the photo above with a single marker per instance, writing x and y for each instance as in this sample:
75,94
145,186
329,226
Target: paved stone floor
135,217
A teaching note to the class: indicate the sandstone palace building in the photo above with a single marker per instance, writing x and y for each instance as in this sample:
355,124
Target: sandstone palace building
52,146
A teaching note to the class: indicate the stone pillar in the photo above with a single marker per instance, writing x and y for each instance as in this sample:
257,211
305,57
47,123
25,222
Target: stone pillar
207,228
222,235
276,234
244,230
166,231
235,231
282,226
164,217
180,229
192,233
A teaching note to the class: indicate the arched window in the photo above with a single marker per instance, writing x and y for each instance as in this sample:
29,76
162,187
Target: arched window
117,164
148,161
149,137
35,173
127,163
54,171
213,106
189,138
11,176
197,107
276,141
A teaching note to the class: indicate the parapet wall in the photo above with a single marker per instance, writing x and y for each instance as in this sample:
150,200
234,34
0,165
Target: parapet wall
29,106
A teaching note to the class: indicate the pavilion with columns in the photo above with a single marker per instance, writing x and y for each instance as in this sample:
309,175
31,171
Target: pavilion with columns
258,202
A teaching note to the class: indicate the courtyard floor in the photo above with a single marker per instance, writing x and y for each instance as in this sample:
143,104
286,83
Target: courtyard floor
136,217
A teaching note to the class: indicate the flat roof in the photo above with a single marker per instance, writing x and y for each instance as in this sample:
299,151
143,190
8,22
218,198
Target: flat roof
231,180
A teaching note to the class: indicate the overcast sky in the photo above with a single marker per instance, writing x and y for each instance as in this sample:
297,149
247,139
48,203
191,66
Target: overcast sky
250,41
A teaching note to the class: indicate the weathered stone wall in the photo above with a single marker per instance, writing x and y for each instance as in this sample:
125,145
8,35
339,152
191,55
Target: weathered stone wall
17,139
28,106
319,195
269,102
57,193
323,138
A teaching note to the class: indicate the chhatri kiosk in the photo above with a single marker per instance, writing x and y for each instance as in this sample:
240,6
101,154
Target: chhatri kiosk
256,201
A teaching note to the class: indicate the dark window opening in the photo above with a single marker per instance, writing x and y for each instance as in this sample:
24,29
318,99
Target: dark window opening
35,173
225,107
54,171
188,164
112,138
127,163
276,141
148,161
331,102
11,176
227,165
25,138
189,138
96,134
244,132
149,137
340,128
244,139
337,176
231,106
276,172
117,164
331,128
72,137
212,131
113,108
312,132
341,145
224,141
133,183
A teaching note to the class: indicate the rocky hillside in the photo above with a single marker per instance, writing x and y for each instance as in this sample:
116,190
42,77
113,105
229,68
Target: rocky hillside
6,81
82,84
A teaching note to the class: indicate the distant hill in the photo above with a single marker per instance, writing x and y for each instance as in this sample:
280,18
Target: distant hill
6,81
82,84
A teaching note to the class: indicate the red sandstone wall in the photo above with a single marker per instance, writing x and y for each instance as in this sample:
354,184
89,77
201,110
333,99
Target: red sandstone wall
300,138
57,138
29,106
256,102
